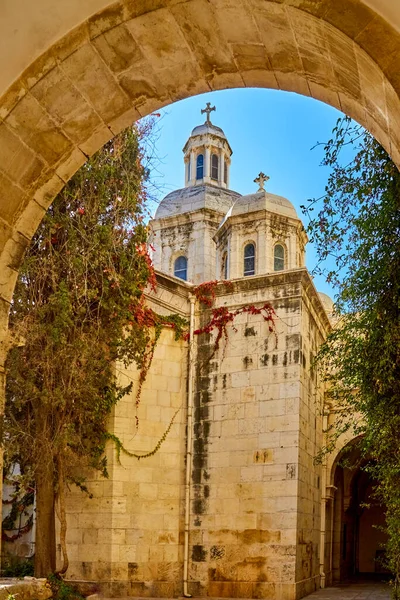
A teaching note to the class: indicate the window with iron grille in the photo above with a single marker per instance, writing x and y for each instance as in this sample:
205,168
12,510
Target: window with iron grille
249,260
180,267
279,258
200,166
214,166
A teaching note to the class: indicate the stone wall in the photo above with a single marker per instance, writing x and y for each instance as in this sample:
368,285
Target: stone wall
310,442
189,236
255,505
128,537
255,492
264,230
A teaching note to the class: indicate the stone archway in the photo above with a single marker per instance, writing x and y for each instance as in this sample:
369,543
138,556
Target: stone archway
136,56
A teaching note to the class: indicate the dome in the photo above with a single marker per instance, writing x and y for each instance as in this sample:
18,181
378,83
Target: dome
207,155
211,131
328,304
190,199
264,201
208,128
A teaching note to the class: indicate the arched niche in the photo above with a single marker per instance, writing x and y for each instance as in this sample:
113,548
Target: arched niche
355,520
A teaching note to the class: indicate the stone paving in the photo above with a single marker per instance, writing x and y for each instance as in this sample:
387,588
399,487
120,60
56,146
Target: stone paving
353,591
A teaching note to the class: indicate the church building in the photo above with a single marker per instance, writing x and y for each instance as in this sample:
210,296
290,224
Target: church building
229,501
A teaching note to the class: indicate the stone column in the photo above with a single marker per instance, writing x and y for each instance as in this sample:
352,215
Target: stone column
235,257
187,163
192,168
228,258
335,525
328,538
207,159
221,168
261,252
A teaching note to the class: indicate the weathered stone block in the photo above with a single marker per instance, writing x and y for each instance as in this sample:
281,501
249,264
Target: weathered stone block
95,82
38,131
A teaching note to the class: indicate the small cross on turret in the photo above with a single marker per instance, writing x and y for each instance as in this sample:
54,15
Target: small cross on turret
207,110
261,180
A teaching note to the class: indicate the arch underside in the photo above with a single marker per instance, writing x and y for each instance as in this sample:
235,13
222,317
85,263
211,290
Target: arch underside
137,56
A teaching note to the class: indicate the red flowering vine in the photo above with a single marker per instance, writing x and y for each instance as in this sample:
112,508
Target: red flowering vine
221,316
205,292
147,318
19,509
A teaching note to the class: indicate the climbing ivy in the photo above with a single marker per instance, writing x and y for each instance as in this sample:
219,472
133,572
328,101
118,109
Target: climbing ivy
357,224
155,322
221,317
78,309
19,517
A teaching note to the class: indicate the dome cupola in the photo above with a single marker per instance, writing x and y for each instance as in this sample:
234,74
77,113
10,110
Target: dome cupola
261,233
207,154
186,220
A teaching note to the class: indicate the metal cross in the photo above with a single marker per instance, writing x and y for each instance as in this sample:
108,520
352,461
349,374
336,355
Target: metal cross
261,180
207,110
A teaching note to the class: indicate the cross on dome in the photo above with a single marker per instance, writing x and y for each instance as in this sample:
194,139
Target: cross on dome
208,109
261,180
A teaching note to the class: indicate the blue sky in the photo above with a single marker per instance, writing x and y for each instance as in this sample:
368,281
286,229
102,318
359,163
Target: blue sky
268,131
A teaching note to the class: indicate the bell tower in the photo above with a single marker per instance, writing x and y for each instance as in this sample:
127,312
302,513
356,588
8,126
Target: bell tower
187,220
207,155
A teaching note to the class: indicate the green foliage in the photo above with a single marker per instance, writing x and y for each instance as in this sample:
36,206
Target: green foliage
75,313
62,590
176,322
81,278
14,566
357,223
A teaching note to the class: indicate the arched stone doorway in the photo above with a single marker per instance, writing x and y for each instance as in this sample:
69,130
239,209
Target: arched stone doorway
356,520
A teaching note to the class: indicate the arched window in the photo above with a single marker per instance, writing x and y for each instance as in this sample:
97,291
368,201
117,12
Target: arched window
226,173
180,267
279,258
224,266
214,166
249,260
200,166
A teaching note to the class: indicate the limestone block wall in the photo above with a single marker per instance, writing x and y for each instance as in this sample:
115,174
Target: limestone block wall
189,235
314,329
171,239
255,491
128,537
249,473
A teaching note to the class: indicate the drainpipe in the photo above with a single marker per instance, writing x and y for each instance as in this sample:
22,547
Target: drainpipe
188,449
324,500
